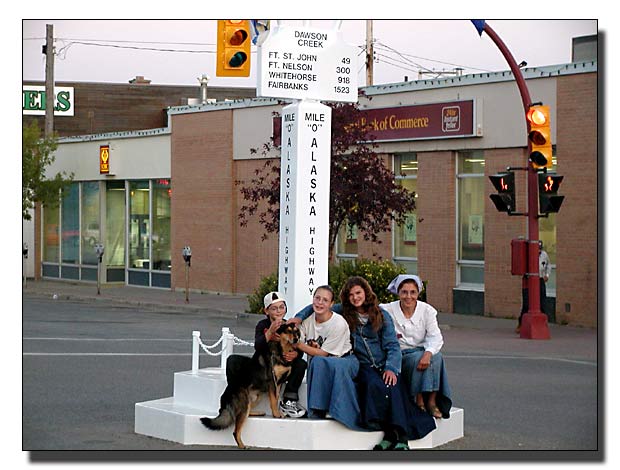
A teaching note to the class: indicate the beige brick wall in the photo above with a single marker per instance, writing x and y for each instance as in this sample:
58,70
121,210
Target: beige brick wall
436,235
577,220
202,203
255,258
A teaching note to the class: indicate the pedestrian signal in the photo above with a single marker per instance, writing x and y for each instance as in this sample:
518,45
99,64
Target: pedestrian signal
548,199
505,199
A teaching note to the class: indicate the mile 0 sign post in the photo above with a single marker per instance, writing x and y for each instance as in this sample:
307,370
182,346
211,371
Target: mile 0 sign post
305,64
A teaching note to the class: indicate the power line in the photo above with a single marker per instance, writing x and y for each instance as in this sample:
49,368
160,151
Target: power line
405,56
131,42
140,48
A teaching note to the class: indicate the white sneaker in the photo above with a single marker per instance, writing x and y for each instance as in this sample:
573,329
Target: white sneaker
292,409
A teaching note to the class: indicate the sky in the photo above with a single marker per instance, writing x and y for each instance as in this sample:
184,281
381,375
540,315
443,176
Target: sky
119,50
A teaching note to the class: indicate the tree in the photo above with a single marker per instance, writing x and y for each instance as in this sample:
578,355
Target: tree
37,155
363,191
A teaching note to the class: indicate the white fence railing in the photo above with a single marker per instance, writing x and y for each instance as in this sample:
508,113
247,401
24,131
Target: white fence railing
227,340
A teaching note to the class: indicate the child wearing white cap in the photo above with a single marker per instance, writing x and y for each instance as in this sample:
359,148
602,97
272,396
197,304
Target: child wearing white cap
275,310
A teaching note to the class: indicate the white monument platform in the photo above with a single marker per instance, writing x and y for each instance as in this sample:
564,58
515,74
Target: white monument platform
197,394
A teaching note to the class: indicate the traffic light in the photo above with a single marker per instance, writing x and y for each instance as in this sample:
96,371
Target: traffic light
233,48
548,186
504,200
539,121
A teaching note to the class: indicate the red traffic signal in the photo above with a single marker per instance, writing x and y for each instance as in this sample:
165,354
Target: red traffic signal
548,200
539,134
505,199
233,48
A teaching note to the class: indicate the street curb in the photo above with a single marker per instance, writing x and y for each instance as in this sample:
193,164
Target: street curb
150,305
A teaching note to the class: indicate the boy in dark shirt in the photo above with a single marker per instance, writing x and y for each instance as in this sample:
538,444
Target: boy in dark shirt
275,309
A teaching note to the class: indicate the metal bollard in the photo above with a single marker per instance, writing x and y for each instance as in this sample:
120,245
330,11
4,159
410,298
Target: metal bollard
195,351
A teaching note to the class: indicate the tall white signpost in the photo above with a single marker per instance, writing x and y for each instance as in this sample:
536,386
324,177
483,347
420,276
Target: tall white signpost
306,65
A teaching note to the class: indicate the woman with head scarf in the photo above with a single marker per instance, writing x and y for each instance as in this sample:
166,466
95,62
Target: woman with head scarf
420,340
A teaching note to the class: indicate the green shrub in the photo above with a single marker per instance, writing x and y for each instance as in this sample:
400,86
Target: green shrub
377,273
255,300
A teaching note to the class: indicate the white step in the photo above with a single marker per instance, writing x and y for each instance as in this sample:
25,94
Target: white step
203,390
164,419
197,394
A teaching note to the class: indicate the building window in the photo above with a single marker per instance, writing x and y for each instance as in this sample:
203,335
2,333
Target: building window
51,236
115,230
91,234
161,224
547,233
70,224
470,181
405,240
346,242
139,224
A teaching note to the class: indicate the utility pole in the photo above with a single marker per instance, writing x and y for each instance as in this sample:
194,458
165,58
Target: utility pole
49,80
370,54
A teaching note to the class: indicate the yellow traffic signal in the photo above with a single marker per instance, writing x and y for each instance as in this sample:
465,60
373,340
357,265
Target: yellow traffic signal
539,122
233,48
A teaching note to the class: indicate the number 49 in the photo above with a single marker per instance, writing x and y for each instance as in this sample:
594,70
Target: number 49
346,60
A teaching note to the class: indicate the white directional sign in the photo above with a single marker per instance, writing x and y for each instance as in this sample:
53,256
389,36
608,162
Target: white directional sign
300,62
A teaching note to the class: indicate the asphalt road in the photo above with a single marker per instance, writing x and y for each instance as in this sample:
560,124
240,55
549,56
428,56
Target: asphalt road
86,364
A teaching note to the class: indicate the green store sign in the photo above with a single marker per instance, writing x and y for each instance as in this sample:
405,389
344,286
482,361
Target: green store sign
33,100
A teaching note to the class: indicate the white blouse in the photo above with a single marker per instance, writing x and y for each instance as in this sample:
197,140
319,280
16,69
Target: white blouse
421,329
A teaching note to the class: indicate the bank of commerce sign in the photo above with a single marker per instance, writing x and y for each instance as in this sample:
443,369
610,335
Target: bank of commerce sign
307,63
425,121
33,100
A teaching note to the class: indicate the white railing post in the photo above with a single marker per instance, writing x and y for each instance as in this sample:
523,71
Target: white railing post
195,351
227,346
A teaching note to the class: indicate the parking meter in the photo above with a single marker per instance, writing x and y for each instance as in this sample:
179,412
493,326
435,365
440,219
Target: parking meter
25,250
99,250
187,255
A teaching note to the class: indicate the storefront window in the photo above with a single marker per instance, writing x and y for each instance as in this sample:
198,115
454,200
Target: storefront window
405,236
471,217
161,224
71,224
91,234
139,224
50,234
115,226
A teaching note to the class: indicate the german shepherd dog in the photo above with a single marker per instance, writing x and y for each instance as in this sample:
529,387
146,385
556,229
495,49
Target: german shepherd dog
249,377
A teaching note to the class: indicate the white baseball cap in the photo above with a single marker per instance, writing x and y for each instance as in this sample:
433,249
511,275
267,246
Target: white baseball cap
273,297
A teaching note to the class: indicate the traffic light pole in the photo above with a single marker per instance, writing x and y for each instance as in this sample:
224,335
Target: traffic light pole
534,322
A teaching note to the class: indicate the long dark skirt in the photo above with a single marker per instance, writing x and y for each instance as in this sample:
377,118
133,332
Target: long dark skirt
383,407
433,379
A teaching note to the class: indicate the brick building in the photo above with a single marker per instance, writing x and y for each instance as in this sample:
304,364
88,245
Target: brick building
175,186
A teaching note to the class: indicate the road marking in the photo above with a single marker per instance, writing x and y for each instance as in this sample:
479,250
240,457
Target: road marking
535,358
559,359
105,354
108,339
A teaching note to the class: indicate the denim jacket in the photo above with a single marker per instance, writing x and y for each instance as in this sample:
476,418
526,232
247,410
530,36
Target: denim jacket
374,348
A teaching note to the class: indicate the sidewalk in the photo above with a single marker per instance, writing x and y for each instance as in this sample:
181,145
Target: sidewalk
139,296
